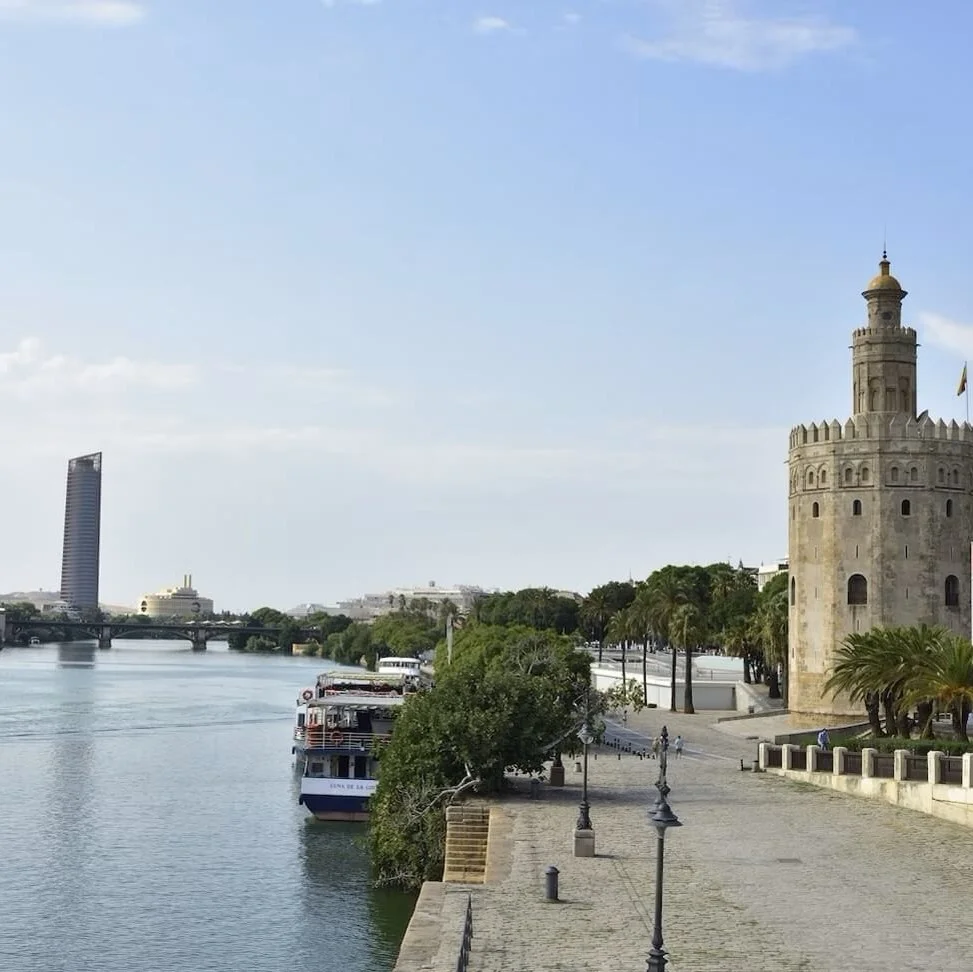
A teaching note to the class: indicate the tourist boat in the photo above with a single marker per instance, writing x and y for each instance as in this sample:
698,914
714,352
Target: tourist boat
346,720
410,667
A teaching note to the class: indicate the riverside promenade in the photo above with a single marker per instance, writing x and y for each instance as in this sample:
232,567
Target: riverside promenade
765,874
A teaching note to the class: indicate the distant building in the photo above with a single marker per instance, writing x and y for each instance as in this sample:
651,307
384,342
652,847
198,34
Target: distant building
306,610
176,602
767,572
82,533
374,605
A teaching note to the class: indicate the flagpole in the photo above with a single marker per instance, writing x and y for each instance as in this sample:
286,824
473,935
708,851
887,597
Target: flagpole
967,390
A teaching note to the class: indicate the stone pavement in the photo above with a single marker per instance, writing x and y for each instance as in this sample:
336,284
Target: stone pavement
766,875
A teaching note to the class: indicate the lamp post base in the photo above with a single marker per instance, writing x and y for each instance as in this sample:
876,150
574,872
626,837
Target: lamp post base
657,961
584,843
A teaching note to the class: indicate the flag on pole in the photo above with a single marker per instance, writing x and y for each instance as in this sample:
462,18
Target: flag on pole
962,381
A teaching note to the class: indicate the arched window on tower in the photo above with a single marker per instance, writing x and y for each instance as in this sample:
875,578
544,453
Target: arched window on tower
956,477
815,510
913,475
856,508
894,474
949,507
793,591
857,589
865,474
810,477
822,477
941,475
848,475
906,508
952,591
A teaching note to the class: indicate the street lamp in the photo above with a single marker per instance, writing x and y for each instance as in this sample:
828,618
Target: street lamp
662,819
584,818
661,784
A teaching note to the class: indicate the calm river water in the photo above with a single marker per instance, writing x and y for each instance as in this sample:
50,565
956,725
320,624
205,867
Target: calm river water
149,820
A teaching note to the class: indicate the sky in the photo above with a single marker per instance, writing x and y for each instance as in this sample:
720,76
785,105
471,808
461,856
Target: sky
354,295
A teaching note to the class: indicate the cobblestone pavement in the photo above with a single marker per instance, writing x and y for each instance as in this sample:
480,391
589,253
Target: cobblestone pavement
764,875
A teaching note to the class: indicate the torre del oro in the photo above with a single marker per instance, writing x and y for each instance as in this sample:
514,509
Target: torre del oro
879,511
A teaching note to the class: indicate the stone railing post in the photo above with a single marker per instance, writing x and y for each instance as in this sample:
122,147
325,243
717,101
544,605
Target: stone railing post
898,765
967,767
762,755
812,758
786,759
934,766
868,763
838,767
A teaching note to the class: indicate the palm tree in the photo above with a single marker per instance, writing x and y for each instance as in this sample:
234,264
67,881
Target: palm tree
596,613
772,624
689,629
884,666
946,675
619,633
643,626
666,593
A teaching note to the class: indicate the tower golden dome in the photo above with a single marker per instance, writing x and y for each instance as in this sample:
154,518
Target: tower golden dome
884,280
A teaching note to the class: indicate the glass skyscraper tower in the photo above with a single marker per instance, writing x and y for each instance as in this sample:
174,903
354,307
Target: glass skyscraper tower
82,533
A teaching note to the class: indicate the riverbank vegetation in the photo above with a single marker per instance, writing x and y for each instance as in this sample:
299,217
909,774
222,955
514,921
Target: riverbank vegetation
511,698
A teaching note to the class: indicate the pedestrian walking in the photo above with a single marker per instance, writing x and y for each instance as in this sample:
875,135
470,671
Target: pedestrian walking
824,740
677,746
656,743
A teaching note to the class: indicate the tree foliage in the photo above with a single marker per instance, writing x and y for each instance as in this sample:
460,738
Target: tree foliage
509,700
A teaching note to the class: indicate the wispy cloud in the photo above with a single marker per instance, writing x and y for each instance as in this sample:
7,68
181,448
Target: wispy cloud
490,25
31,370
717,33
97,13
947,333
571,19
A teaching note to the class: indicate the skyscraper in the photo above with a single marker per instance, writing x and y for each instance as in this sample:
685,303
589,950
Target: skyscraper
82,532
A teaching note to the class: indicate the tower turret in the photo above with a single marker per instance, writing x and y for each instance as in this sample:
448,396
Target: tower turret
884,352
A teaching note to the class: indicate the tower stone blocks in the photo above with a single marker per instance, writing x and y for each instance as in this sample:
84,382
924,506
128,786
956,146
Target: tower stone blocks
879,511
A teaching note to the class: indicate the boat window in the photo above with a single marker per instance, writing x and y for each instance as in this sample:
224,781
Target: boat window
361,767
317,769
301,719
343,762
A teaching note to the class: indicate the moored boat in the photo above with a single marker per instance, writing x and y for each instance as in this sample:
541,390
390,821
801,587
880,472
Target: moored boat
338,742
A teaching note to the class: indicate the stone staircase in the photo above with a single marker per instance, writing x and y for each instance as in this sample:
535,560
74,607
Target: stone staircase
467,838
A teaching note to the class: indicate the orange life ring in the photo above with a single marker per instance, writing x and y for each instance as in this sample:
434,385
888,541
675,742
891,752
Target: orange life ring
337,738
307,695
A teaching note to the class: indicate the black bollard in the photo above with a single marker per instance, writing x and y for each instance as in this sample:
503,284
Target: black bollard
550,883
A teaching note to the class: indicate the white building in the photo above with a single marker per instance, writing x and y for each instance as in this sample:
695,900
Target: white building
767,572
176,602
370,606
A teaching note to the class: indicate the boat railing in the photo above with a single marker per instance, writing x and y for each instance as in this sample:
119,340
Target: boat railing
375,692
319,737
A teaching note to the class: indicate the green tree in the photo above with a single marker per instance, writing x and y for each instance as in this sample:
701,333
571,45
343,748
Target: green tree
405,633
688,629
600,606
18,611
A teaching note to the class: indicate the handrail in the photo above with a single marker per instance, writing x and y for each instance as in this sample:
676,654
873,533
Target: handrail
463,960
317,737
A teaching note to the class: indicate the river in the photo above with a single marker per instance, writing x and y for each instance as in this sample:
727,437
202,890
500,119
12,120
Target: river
149,820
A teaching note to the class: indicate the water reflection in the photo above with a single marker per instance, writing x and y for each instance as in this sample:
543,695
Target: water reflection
335,862
76,654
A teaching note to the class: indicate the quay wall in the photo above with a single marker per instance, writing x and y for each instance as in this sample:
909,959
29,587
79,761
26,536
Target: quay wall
948,801
432,941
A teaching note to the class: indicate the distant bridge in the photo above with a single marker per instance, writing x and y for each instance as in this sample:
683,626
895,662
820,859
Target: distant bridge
197,633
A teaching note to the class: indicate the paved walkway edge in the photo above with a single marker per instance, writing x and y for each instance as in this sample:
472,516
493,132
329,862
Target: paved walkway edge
943,801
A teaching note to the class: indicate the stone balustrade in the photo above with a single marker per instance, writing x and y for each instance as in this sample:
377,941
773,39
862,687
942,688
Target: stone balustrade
932,782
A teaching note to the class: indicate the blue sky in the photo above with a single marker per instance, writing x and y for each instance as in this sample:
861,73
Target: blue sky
354,295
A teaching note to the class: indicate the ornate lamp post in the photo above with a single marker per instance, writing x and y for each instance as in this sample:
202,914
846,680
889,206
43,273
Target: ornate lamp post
584,818
662,819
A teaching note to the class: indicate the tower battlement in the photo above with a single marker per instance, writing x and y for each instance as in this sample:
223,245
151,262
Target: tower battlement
905,333
876,427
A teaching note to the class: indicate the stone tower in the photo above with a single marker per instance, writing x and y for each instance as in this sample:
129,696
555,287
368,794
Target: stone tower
879,518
